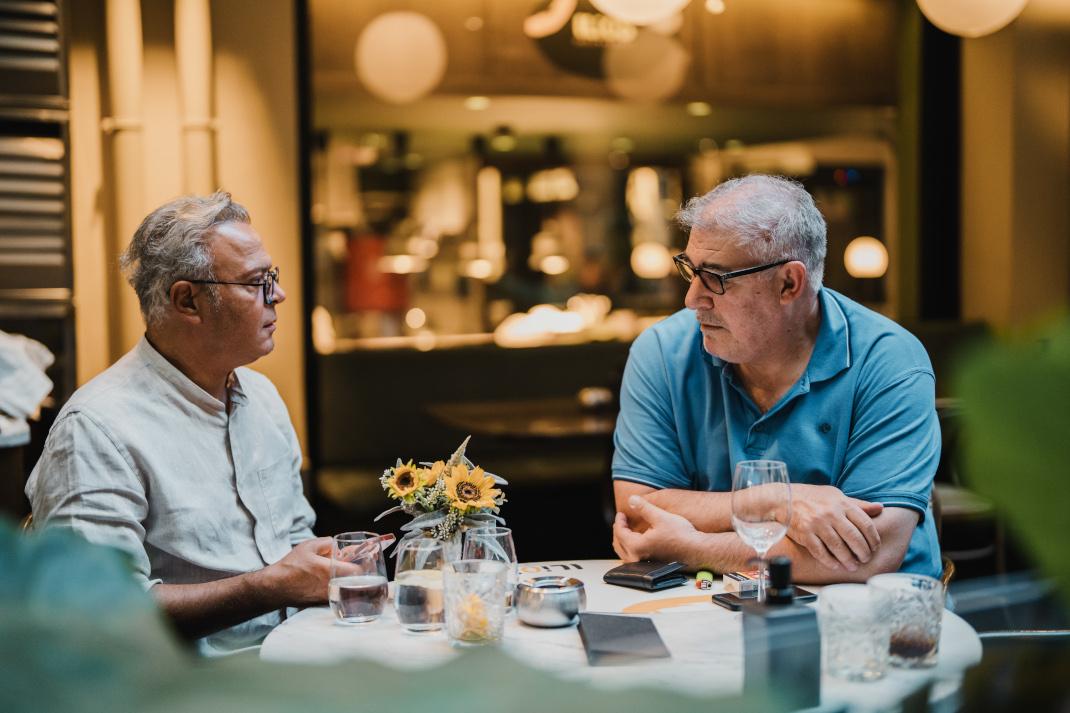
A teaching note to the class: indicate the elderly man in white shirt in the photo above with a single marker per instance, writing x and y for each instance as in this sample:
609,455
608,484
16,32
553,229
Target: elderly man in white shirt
181,457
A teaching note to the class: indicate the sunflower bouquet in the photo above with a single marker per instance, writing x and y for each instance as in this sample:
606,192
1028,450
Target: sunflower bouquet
443,496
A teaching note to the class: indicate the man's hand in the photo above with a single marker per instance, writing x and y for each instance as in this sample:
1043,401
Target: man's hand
666,535
837,530
300,578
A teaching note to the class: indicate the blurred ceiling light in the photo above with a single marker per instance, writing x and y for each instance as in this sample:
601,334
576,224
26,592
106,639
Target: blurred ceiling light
473,23
400,56
622,144
423,247
552,184
537,326
489,226
512,190
707,144
375,140
479,269
733,145
425,340
593,308
866,257
415,318
503,139
699,109
651,261
971,18
640,12
477,103
715,7
669,26
554,264
401,264
549,21
323,334
651,68
642,194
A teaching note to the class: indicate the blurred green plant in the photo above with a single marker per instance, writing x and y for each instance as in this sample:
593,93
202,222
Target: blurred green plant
78,634
1016,433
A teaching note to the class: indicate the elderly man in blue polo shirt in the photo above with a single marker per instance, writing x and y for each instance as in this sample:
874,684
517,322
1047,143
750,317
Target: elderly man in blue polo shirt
765,363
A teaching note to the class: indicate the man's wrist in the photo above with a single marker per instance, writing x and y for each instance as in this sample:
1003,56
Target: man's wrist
258,587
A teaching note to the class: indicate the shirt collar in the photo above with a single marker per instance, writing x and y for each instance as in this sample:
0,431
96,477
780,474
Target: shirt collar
183,384
832,350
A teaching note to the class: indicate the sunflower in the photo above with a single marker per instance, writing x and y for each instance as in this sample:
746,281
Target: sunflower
470,490
430,476
404,481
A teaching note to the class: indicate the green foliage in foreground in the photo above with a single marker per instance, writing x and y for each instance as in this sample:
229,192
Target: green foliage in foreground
1016,431
78,634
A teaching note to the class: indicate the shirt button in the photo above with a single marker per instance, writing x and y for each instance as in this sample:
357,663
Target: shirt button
825,428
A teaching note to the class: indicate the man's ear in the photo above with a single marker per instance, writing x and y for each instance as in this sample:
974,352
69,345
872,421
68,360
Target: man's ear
792,281
182,297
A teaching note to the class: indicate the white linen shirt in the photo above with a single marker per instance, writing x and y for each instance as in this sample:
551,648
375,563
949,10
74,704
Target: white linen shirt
143,459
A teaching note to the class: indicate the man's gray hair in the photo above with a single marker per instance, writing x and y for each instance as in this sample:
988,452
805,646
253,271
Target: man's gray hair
171,244
774,218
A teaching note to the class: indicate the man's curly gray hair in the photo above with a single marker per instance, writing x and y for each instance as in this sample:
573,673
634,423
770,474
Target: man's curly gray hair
773,217
171,244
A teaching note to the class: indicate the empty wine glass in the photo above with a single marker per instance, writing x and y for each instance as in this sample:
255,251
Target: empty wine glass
494,543
761,508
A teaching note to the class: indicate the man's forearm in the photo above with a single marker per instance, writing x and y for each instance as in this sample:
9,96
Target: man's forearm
726,552
708,512
201,609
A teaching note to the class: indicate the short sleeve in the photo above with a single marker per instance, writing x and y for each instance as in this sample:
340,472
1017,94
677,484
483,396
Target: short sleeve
894,447
84,483
646,443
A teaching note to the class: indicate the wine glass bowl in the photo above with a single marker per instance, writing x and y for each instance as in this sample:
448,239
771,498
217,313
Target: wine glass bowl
761,508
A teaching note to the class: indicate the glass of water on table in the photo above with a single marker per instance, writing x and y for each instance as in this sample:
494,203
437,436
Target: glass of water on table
357,590
418,580
494,543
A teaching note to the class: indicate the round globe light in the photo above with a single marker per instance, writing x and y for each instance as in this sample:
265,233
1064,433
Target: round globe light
651,261
400,56
866,257
651,68
640,12
971,18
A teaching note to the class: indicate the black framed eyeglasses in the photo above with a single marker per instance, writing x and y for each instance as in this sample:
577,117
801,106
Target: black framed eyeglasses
715,281
271,278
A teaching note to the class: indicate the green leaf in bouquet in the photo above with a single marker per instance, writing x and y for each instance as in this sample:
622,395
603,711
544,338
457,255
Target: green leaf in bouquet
427,520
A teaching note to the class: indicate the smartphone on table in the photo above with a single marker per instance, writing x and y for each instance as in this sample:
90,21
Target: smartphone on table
734,602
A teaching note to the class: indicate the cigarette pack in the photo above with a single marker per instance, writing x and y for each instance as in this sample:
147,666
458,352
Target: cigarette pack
741,582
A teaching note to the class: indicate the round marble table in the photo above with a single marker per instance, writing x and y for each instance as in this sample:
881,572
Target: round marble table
705,640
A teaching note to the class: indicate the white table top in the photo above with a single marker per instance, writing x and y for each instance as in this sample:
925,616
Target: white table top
705,640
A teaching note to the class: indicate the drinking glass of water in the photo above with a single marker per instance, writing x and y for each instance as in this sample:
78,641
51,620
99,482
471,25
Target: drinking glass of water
761,508
418,582
854,633
357,589
494,543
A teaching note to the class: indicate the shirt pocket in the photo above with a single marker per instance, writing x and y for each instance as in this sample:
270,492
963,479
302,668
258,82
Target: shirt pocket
276,484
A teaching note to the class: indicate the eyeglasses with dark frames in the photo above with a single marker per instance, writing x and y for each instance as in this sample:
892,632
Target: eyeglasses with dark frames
271,278
715,281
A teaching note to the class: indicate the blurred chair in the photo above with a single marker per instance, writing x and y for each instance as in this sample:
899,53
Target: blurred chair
967,525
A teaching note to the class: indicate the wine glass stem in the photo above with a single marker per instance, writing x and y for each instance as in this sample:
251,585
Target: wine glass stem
761,577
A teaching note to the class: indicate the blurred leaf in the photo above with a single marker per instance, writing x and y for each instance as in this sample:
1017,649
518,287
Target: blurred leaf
1016,432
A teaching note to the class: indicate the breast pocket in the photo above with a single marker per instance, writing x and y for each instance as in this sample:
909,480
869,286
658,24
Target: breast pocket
277,485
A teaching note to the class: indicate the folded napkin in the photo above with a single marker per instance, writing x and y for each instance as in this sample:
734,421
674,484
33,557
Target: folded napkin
23,384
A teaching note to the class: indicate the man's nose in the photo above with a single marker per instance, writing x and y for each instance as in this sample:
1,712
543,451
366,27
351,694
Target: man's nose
697,296
279,295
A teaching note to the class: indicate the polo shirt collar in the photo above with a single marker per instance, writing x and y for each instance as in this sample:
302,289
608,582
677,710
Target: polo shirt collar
832,350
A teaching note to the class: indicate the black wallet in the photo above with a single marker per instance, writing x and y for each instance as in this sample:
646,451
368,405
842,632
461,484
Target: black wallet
647,575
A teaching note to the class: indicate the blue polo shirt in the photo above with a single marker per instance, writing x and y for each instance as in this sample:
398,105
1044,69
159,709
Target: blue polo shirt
861,417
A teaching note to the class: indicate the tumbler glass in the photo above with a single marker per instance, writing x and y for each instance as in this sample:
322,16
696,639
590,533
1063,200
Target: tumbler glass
914,605
357,589
854,634
475,601
418,596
